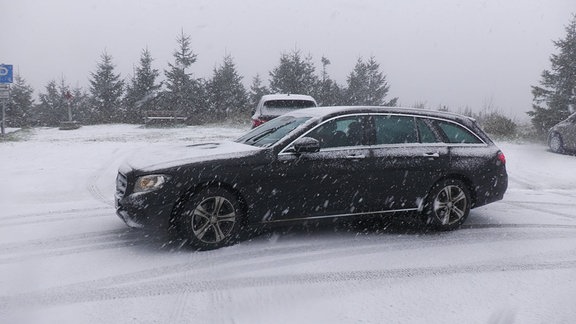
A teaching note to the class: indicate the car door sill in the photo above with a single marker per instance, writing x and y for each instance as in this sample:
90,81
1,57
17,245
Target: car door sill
341,215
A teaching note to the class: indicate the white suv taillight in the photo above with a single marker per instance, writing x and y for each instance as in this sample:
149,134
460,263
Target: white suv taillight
257,122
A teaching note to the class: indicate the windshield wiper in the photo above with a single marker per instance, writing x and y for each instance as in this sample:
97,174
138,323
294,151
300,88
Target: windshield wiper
257,137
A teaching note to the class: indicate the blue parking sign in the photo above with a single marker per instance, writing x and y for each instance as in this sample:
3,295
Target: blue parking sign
5,73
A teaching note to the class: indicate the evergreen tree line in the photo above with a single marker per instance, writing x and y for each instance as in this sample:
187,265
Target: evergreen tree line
111,99
554,99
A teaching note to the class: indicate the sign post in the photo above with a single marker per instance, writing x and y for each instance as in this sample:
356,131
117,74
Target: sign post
4,96
6,77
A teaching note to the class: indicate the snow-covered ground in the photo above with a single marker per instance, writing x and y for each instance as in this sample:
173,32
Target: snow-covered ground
66,258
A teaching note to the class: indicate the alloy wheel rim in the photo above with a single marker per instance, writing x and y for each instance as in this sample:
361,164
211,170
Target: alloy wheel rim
450,205
213,219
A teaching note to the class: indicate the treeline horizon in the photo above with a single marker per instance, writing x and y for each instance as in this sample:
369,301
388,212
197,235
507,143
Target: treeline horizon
222,96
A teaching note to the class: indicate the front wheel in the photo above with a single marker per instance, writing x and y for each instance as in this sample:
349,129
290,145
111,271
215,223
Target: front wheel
447,205
210,219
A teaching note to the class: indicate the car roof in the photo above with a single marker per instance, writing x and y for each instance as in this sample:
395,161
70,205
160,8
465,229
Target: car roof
290,96
329,112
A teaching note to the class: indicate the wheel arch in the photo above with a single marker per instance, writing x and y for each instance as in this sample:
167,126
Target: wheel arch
197,188
467,182
443,222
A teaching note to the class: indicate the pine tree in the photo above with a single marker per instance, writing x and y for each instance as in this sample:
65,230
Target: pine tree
556,96
20,106
257,90
367,85
79,103
52,107
142,90
294,74
184,93
227,95
328,92
106,89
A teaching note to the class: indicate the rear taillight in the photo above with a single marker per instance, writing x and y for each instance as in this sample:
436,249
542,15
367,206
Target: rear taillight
501,158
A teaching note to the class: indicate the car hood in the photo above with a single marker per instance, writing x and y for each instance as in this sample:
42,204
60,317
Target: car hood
164,157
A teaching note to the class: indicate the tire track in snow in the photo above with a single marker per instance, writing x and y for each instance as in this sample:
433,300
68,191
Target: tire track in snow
71,250
537,226
231,262
533,207
92,184
544,203
170,287
527,183
18,252
48,220
55,212
63,240
97,193
56,216
522,182
69,245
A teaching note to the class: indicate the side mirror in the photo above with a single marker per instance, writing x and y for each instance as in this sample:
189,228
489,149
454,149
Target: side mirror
306,145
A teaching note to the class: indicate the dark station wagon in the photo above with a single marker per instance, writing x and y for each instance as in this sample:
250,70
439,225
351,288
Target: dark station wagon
313,164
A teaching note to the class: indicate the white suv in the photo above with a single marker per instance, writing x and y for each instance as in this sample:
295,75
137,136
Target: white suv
274,105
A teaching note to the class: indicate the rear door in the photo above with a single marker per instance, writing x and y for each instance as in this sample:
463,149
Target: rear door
407,158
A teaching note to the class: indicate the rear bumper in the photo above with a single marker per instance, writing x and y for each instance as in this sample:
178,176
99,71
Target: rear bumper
493,192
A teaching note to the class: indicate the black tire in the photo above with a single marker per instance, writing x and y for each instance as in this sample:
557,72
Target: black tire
210,219
447,205
556,144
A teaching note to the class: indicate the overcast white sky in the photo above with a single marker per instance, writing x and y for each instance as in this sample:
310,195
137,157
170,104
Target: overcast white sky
456,53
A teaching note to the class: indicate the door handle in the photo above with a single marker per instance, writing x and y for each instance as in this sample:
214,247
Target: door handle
432,155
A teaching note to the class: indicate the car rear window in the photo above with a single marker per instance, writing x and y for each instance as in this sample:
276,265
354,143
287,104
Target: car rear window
457,134
289,104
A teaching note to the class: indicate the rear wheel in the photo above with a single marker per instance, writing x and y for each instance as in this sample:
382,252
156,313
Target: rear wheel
210,219
556,144
447,205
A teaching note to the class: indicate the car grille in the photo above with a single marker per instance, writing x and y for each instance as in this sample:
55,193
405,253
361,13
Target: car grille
121,184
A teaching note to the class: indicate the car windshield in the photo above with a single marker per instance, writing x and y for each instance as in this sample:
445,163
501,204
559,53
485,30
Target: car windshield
271,132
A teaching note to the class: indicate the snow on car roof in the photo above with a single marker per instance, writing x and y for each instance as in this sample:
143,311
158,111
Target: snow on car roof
322,111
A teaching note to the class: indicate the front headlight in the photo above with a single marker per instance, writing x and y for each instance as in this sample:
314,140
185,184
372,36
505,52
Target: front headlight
150,182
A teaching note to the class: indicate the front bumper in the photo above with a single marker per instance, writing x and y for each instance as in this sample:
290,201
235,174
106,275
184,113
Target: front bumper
143,211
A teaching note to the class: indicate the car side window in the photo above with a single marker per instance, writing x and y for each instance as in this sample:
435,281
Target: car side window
425,133
457,134
346,131
392,129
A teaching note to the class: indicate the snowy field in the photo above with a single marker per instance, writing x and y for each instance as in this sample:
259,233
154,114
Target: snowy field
65,257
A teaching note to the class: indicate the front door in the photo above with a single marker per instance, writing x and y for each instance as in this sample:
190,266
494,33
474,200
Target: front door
331,182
